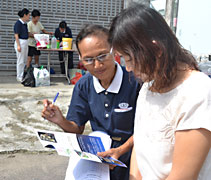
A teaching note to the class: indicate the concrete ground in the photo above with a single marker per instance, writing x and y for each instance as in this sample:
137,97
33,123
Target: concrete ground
21,154
32,166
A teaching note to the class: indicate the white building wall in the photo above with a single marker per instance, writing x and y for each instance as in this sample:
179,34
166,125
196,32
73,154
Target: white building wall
194,25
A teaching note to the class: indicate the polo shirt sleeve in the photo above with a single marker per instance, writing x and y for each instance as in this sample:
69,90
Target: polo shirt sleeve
79,110
17,28
29,27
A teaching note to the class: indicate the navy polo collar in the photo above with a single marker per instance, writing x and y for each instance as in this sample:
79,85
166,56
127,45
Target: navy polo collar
115,84
22,21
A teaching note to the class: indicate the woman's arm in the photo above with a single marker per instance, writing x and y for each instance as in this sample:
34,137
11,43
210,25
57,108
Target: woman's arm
190,151
134,171
18,42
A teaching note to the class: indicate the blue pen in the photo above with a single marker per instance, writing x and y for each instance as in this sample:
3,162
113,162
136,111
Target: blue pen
57,94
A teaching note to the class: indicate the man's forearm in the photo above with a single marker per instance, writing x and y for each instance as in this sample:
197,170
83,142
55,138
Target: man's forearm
127,146
70,126
31,34
45,32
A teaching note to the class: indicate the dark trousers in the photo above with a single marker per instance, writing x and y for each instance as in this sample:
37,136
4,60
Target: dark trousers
61,59
121,173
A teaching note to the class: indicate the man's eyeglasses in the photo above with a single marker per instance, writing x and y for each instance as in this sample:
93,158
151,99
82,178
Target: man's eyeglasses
100,58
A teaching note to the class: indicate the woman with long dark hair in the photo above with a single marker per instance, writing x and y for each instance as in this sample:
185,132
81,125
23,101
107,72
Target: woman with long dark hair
172,133
21,41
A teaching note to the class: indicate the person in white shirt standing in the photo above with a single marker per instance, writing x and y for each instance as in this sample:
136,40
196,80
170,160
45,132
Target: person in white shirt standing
35,27
172,131
21,41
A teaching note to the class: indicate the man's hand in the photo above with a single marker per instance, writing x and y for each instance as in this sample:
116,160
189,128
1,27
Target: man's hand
52,112
113,152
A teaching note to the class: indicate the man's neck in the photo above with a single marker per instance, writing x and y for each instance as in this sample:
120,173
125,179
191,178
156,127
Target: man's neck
34,22
106,83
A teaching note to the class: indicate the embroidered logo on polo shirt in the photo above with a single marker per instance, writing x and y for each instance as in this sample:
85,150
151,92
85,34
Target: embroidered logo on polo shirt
123,107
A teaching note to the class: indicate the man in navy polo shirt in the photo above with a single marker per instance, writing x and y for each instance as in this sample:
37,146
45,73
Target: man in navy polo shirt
63,31
106,96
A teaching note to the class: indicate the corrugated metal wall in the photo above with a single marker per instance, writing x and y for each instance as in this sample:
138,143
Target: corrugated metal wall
75,12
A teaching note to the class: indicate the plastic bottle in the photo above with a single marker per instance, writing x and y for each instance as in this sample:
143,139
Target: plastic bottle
53,43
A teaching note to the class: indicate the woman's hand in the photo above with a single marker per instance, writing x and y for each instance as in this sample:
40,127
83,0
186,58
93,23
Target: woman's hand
19,48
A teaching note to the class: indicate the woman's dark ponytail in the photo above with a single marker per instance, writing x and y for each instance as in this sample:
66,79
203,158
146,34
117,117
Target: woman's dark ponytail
22,12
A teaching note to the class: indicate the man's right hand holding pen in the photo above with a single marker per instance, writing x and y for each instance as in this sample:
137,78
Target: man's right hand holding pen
53,113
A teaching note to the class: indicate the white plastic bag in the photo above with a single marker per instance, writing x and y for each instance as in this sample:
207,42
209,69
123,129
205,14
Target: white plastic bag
42,77
41,40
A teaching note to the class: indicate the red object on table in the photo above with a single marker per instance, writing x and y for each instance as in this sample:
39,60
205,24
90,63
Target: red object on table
76,78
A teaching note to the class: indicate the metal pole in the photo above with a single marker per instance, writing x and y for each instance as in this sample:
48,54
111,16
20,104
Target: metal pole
169,12
49,66
175,17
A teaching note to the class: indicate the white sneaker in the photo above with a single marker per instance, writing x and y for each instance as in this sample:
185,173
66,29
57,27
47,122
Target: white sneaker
19,79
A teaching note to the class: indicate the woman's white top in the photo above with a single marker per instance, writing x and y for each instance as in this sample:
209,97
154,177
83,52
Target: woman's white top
159,115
